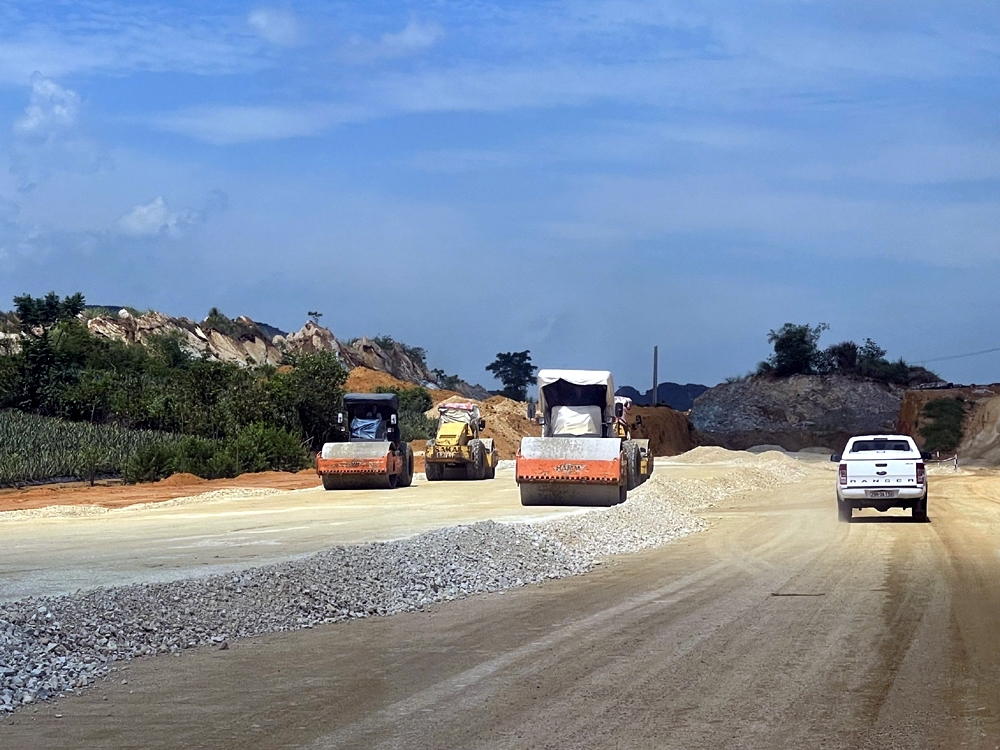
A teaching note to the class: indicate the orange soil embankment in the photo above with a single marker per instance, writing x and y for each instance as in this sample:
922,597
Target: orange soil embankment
117,495
669,432
364,380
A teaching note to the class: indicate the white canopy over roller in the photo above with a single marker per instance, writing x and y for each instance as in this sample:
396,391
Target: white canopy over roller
575,417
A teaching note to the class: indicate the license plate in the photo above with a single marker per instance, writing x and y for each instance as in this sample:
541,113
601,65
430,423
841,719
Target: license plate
881,493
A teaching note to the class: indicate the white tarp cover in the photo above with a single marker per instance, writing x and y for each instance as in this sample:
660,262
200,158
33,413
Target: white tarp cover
458,412
577,377
576,421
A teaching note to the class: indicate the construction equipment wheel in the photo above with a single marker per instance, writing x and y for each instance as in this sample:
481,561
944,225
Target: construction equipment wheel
329,483
633,476
476,468
434,472
405,478
844,511
491,472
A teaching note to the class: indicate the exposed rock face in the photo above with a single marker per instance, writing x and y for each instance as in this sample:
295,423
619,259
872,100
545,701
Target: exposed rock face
795,413
981,429
248,344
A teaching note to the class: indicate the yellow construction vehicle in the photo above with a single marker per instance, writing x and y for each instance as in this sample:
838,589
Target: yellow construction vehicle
622,429
458,451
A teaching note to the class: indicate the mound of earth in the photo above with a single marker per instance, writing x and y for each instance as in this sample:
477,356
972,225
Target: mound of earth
668,430
366,380
795,413
181,478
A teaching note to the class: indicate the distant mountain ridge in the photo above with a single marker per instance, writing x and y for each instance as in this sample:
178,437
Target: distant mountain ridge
674,395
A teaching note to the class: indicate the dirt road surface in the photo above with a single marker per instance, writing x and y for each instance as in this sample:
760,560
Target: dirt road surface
775,628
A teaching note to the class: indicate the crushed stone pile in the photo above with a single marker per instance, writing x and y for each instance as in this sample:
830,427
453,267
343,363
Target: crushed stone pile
663,508
55,645
51,646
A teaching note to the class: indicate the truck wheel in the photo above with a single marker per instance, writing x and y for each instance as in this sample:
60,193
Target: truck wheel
476,468
406,474
844,511
435,472
920,510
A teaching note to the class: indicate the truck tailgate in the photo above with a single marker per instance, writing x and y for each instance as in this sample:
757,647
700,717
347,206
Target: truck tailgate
881,472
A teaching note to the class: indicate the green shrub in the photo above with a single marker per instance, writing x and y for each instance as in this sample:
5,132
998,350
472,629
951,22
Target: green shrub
150,464
944,431
262,448
413,402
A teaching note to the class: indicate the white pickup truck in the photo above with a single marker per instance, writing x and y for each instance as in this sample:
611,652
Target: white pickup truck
881,472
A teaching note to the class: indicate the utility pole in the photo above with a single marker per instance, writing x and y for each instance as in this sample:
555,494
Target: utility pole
656,377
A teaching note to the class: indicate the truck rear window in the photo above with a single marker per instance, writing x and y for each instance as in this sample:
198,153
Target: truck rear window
863,446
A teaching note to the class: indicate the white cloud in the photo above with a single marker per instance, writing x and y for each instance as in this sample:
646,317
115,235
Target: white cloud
149,219
46,137
226,125
52,108
157,218
276,26
416,37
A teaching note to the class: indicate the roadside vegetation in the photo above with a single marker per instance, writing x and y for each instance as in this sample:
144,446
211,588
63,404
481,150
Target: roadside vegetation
219,419
413,403
37,449
945,429
797,352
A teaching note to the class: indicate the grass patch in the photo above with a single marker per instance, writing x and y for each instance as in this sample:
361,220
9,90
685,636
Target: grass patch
945,429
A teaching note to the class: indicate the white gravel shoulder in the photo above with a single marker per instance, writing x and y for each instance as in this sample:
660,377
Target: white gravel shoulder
56,645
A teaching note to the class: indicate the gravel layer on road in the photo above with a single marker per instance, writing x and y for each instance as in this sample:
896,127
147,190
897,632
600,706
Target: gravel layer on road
56,645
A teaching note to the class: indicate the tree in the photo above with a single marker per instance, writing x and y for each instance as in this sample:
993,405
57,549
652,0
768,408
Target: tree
515,371
314,316
841,358
45,312
796,350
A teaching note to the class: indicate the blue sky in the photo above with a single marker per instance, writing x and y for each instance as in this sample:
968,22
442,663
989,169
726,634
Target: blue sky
582,179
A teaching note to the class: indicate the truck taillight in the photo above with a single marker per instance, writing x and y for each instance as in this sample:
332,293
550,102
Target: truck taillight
921,471
843,474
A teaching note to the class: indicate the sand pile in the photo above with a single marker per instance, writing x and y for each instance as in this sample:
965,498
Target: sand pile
668,430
